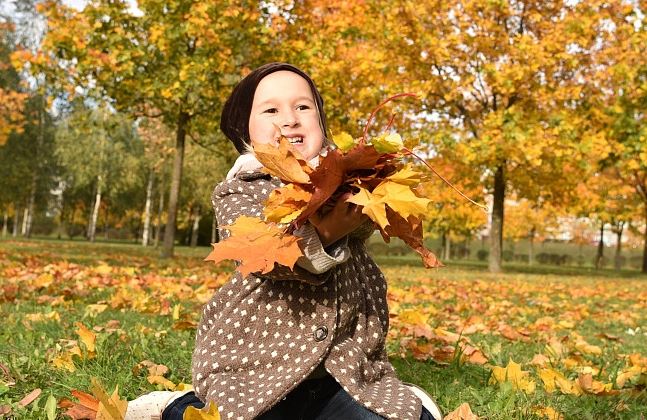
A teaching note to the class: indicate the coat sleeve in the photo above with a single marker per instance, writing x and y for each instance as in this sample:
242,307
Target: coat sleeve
236,198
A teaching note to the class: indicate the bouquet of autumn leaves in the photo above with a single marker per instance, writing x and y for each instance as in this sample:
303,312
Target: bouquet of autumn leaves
377,174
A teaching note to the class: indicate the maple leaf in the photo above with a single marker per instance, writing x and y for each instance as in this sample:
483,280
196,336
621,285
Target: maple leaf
208,413
286,203
553,379
388,143
86,408
344,141
410,231
462,412
282,162
249,242
512,373
111,407
407,176
88,338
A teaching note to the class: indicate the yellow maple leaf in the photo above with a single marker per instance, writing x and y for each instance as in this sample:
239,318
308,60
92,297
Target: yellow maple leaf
372,206
548,412
160,380
64,361
407,176
344,141
208,413
402,199
111,407
513,374
286,204
553,379
388,143
88,338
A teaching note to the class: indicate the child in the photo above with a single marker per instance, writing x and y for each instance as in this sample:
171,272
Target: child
307,343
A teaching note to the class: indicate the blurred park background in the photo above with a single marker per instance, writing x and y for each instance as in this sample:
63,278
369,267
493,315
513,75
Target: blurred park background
109,115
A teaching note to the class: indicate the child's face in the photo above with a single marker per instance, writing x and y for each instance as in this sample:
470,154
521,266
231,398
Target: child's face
284,99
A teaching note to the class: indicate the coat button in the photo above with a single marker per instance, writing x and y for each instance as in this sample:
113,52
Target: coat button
321,333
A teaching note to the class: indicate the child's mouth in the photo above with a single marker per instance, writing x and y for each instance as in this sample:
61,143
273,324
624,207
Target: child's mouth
295,140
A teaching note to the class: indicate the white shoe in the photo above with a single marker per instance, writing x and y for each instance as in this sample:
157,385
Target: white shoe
427,401
150,406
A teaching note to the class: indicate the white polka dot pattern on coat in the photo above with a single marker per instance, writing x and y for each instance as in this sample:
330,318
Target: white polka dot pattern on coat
260,337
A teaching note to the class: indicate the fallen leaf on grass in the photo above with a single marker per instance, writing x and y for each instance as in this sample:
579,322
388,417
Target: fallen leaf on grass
513,374
152,368
111,407
548,413
463,412
29,398
473,355
511,334
591,386
539,360
86,408
160,380
553,379
88,338
208,413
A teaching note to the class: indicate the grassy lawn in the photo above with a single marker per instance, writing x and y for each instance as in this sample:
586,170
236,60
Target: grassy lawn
452,330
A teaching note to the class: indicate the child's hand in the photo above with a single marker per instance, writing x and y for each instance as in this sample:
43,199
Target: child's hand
343,219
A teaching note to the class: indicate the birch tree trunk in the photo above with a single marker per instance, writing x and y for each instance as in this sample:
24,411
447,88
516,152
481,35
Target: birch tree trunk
95,212
147,210
531,246
14,230
25,218
30,206
196,227
160,210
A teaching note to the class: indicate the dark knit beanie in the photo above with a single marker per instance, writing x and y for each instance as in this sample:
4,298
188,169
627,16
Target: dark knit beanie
234,120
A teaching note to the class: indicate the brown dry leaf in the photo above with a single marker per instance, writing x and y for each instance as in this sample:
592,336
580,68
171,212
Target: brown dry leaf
282,161
111,407
29,398
85,409
410,231
250,239
511,334
152,368
463,412
473,355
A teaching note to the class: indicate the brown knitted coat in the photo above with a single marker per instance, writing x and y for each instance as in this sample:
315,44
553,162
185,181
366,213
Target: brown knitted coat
259,337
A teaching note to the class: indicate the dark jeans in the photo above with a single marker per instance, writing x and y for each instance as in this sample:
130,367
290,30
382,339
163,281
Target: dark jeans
317,399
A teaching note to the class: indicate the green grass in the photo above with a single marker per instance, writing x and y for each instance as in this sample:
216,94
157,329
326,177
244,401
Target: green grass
595,303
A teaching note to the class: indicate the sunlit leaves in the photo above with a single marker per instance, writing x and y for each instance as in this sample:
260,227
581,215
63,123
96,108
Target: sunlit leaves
513,374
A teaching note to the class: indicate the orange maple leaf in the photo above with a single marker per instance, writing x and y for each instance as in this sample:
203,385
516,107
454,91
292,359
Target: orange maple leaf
257,245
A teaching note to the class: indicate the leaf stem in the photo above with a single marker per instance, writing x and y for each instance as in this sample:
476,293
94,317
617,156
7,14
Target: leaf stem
482,206
377,108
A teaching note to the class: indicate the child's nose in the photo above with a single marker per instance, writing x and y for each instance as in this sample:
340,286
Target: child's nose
290,119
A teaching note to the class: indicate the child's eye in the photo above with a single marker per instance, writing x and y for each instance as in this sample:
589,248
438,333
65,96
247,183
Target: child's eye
302,107
271,110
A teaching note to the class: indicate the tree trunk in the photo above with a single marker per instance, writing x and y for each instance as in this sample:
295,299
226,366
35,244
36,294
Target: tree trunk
5,220
14,230
169,230
617,261
447,251
30,205
95,212
147,210
25,218
496,228
214,229
600,254
196,227
644,269
531,246
160,210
